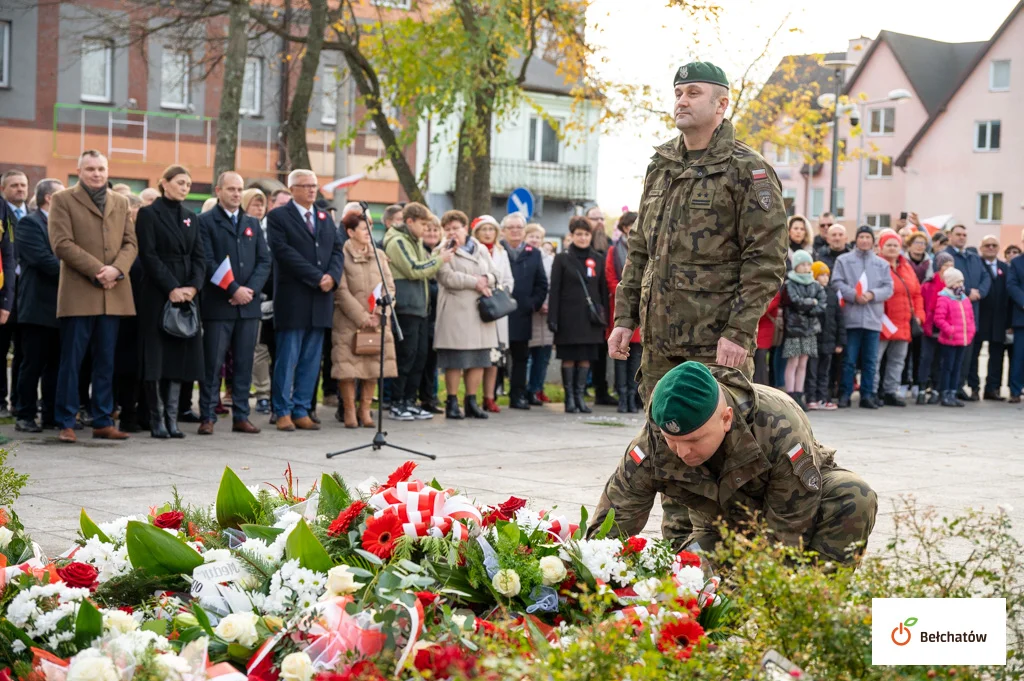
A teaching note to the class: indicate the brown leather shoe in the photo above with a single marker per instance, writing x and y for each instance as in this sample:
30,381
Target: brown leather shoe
109,433
285,423
245,426
67,435
206,428
306,423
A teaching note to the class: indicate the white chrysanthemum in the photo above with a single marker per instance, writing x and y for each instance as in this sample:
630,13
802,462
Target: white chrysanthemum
170,667
116,529
690,579
109,560
214,555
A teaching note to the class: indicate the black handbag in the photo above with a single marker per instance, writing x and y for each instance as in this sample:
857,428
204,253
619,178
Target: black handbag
499,304
180,320
595,310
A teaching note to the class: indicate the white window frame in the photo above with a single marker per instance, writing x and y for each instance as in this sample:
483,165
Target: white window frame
880,164
991,219
789,193
816,192
783,156
881,131
108,51
992,75
538,150
875,221
186,84
5,54
330,84
257,99
840,209
987,125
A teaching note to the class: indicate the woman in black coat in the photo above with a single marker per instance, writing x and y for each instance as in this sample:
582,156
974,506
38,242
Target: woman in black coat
171,251
577,273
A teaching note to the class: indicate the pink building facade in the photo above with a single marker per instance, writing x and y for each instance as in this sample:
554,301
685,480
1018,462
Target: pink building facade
955,146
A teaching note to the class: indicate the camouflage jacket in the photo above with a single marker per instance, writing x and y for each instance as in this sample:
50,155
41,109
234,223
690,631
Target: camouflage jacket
771,465
708,250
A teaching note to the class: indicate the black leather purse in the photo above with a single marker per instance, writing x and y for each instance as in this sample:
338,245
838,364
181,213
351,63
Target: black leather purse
499,304
595,311
180,320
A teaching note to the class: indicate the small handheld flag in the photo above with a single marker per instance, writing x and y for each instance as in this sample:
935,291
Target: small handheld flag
862,284
888,325
223,277
374,297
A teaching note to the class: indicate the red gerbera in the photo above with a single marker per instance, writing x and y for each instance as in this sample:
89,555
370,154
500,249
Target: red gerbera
685,558
344,520
512,505
382,534
401,474
679,637
633,545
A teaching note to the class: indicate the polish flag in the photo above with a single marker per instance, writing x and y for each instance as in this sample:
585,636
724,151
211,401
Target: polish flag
862,284
888,326
223,277
374,297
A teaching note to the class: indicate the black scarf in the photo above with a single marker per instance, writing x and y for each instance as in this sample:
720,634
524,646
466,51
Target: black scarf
98,196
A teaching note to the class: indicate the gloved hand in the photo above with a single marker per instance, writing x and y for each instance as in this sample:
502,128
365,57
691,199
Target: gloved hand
552,326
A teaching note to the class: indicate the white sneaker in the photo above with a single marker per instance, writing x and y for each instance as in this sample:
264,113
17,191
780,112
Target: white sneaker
400,412
417,413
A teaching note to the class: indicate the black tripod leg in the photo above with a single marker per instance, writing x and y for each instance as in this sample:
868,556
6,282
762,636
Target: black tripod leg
412,451
331,455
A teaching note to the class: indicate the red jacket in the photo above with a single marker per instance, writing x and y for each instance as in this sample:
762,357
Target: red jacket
955,320
906,301
766,324
613,282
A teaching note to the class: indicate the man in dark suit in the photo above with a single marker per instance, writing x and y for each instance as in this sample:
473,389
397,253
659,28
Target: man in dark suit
238,258
308,260
530,290
992,322
37,299
977,282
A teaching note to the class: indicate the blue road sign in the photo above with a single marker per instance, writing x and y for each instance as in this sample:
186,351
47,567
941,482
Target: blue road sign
521,200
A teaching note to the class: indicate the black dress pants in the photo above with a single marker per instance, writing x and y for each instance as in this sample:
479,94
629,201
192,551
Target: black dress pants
39,362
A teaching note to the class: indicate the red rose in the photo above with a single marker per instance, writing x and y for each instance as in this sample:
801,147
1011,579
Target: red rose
493,517
687,559
633,545
512,505
169,521
78,575
426,598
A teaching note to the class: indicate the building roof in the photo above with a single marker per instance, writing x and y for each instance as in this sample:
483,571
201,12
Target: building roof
542,76
954,84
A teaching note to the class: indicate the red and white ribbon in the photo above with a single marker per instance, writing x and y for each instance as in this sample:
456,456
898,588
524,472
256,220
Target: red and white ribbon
425,511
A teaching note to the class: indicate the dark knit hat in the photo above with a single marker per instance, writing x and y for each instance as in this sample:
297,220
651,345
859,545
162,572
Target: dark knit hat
865,229
700,72
684,399
941,259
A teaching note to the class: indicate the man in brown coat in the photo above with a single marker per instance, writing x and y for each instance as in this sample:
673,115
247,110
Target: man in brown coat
92,234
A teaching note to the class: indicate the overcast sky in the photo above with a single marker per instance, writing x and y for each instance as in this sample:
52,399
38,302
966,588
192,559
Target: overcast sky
645,42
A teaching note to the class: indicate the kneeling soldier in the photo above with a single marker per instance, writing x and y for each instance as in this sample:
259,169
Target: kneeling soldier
723,448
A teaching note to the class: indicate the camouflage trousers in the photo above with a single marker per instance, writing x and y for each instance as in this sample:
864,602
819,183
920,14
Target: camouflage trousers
675,516
845,517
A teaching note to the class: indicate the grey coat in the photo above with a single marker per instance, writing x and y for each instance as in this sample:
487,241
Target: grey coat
845,276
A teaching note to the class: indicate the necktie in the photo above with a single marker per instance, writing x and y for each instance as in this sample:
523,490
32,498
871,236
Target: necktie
234,219
19,213
309,222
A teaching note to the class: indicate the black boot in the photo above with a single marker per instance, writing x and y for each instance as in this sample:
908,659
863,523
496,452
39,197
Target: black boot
452,410
632,401
155,402
949,398
473,410
621,388
570,390
580,374
935,397
171,409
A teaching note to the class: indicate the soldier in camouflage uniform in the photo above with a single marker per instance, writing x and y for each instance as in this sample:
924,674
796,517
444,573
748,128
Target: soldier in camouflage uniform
724,448
708,251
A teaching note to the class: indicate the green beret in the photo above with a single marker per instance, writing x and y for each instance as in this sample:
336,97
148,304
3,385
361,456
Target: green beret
701,72
684,399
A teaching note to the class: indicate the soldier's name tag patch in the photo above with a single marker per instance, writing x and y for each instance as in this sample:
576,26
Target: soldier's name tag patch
702,198
763,192
804,468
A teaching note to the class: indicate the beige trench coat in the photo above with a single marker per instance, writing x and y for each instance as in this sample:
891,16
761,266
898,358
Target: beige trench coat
459,326
84,240
352,311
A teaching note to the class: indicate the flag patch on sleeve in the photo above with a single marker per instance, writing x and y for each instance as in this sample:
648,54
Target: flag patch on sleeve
759,174
795,453
637,455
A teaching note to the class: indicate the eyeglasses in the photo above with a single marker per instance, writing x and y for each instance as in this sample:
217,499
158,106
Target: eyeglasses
305,186
990,245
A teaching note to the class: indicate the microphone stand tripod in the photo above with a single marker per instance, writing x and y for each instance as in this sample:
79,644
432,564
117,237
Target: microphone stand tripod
387,314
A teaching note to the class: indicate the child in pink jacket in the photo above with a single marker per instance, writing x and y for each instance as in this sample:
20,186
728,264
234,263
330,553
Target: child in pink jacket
954,318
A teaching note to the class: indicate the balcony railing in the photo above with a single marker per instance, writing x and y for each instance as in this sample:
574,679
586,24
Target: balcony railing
550,180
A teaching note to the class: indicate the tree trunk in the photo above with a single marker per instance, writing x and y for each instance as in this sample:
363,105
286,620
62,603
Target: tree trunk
369,88
298,112
231,94
473,170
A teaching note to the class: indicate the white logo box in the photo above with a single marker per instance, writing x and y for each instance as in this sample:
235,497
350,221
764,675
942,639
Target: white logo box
965,631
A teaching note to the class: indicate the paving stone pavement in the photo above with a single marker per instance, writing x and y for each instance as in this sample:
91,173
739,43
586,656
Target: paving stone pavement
950,459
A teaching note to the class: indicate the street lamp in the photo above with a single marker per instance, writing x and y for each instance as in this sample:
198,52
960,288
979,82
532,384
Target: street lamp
838,65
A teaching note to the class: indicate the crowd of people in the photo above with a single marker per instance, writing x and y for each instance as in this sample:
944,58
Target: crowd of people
909,312
123,303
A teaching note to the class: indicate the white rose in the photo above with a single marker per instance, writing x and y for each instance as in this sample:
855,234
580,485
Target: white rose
214,555
240,628
552,569
647,589
341,581
119,621
506,582
170,667
5,537
92,668
459,621
297,667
